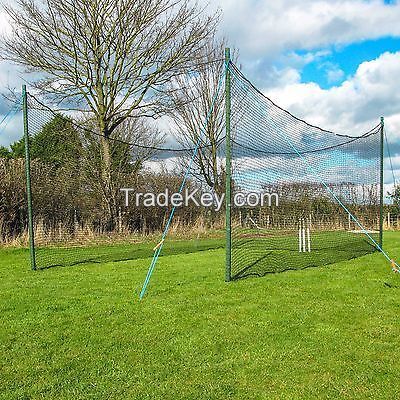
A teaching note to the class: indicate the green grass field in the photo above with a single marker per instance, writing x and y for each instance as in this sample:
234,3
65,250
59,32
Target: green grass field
278,252
79,332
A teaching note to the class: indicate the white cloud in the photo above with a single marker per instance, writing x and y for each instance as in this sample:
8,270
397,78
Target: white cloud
261,28
5,26
353,107
355,104
11,130
334,75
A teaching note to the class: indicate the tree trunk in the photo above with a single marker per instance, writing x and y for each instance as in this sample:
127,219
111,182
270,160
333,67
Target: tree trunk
109,192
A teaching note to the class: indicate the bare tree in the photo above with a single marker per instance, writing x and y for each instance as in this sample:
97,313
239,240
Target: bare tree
111,58
192,107
134,142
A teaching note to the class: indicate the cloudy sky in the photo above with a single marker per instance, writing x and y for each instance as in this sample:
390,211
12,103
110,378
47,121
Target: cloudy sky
335,63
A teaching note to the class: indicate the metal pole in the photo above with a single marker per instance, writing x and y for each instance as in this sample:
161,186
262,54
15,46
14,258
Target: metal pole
228,272
28,179
381,181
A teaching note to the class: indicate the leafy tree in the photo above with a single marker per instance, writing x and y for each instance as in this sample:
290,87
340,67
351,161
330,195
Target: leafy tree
57,143
18,149
4,152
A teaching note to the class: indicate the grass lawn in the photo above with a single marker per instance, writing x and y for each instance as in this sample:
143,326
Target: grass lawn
79,332
48,257
273,253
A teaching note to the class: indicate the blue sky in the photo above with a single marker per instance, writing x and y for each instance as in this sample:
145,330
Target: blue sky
341,62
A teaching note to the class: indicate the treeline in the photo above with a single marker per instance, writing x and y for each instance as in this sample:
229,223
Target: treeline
311,202
70,201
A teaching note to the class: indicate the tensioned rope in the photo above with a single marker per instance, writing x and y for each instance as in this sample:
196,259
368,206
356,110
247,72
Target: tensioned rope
234,69
394,265
158,248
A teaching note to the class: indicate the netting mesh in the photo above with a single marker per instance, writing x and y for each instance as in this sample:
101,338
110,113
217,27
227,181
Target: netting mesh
300,173
305,168
78,218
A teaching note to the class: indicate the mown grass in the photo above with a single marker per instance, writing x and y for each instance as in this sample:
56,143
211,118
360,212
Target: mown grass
52,256
280,252
80,332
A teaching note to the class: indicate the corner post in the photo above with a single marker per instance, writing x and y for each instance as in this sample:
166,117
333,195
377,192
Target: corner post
228,155
381,182
28,178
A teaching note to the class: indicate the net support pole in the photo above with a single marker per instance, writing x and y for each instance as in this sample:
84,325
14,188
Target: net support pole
28,178
381,183
228,156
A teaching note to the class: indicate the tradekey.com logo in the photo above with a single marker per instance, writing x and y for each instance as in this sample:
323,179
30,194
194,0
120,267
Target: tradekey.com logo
194,197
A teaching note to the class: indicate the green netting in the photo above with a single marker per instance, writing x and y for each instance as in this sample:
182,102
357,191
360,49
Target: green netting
67,254
309,169
78,219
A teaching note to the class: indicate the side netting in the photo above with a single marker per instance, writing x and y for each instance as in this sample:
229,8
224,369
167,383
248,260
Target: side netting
299,180
77,218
